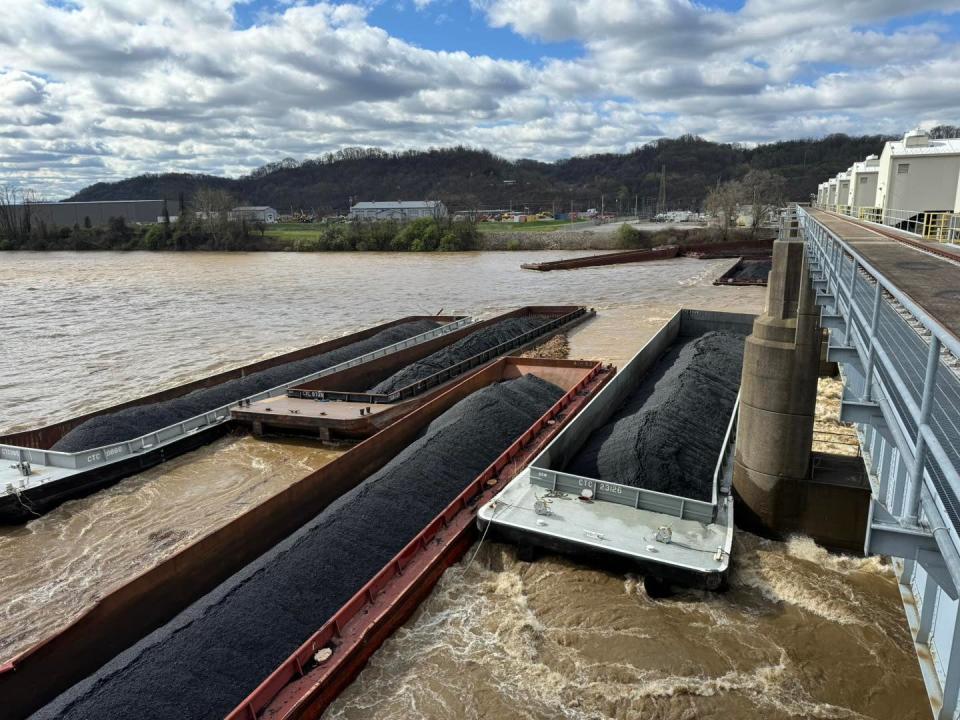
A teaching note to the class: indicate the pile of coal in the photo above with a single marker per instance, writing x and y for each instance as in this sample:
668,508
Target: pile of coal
140,420
668,434
464,348
214,654
752,270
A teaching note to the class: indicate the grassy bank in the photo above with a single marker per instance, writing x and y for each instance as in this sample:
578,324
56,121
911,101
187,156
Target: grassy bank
538,226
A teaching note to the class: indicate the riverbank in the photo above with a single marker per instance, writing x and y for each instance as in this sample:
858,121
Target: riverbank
422,236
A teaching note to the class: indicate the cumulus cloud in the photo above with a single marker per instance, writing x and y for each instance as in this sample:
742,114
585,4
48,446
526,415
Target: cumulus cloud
101,89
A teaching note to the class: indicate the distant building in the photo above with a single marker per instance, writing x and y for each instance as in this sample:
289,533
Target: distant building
843,189
253,213
831,194
822,194
918,173
399,210
98,212
863,182
956,207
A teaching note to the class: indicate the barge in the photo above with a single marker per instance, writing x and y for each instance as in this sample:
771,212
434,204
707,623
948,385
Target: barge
700,251
128,613
664,252
671,538
747,271
340,408
34,478
327,662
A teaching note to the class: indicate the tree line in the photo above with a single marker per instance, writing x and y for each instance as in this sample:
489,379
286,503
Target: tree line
470,178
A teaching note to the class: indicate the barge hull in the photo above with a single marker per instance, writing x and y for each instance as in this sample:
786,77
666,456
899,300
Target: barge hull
92,472
623,522
44,437
337,414
302,688
21,507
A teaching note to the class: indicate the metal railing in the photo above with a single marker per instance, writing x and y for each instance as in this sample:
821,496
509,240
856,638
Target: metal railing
902,367
110,453
932,225
902,392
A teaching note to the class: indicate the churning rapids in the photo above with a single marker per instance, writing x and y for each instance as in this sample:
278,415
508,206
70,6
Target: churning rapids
800,634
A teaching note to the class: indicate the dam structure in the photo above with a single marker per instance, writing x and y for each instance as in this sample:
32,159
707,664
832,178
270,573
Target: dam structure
891,304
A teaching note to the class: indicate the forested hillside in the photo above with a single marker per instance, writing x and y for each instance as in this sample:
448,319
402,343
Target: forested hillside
471,179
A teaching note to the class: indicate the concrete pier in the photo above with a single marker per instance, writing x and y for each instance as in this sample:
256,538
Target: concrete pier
772,470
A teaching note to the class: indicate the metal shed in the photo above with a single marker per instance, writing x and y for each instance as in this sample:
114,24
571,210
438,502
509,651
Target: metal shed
918,173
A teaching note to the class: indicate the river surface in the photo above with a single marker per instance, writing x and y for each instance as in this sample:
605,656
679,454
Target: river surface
800,634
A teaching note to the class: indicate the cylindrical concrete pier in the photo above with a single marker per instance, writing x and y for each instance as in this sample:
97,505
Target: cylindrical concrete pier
778,397
772,473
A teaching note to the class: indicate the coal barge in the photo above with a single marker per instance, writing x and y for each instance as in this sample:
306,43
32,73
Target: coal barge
331,658
599,491
36,478
358,402
131,611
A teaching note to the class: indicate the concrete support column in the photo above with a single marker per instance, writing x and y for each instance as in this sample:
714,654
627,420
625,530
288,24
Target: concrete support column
778,396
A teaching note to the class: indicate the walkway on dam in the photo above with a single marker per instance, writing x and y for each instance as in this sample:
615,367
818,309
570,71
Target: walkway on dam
892,304
931,280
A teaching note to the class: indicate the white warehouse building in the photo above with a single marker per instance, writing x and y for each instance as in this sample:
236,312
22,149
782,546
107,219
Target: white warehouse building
253,213
398,210
832,194
863,182
918,174
843,188
821,194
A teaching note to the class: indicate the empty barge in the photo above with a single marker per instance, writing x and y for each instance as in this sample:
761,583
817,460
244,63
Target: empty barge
700,251
670,537
35,478
128,613
341,407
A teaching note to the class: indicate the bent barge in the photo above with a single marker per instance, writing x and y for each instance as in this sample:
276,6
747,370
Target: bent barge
700,251
124,616
341,407
670,537
35,478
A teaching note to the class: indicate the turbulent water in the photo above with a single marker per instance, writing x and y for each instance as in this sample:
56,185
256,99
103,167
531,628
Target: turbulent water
801,634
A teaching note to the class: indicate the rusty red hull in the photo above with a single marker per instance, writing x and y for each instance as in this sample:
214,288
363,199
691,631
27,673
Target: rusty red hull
701,251
302,688
615,258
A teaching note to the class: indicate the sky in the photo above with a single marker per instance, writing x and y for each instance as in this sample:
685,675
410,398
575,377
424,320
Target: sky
99,90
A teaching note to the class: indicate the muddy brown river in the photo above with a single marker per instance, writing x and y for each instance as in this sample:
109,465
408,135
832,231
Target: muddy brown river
801,633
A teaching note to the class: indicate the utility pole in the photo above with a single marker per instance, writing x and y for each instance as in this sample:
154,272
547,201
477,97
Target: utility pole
636,206
662,197
601,207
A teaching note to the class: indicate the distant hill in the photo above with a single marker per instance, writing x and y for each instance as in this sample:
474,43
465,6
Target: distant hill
467,178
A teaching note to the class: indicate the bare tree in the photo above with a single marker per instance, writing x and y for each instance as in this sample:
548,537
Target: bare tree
15,215
723,201
211,207
763,192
